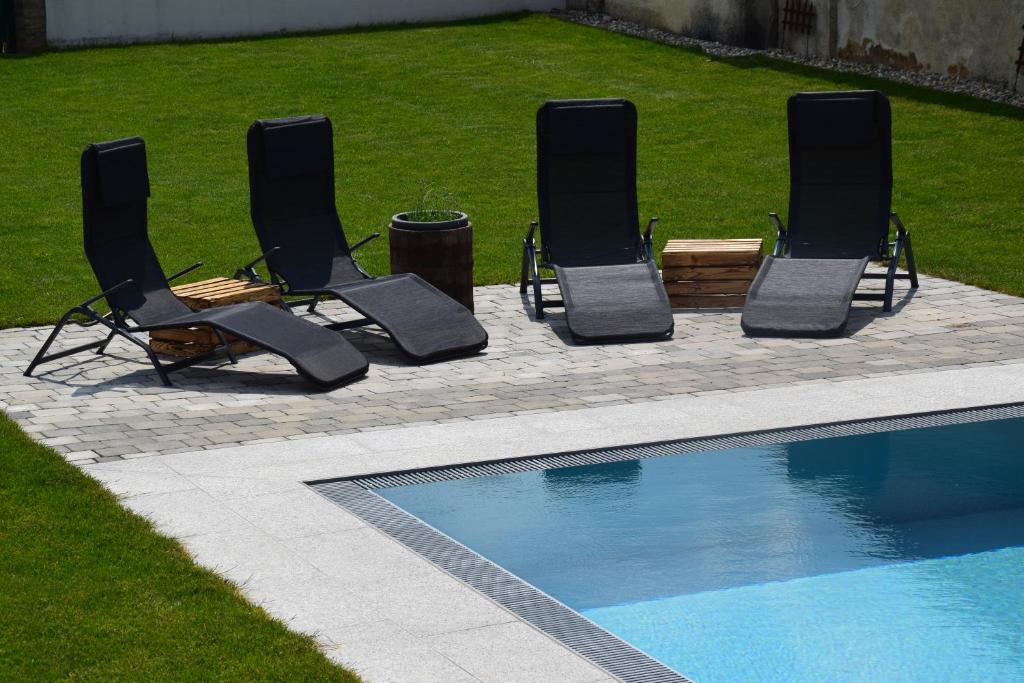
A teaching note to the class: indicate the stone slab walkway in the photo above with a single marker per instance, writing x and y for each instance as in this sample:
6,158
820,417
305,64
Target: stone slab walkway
113,407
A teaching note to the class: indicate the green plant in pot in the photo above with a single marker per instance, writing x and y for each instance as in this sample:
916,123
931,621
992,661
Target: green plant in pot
434,209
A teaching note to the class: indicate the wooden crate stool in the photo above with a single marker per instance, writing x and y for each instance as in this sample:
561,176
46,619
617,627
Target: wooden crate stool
709,273
219,291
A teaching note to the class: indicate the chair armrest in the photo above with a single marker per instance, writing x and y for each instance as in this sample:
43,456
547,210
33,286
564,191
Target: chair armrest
107,292
528,240
249,269
197,264
900,230
363,242
649,238
781,234
649,232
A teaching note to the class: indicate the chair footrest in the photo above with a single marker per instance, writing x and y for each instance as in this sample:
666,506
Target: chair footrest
424,322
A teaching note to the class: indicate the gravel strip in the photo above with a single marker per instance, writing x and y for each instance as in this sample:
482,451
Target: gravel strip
987,90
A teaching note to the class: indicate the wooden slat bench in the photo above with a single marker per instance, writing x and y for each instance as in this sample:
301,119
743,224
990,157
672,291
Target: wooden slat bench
218,291
709,273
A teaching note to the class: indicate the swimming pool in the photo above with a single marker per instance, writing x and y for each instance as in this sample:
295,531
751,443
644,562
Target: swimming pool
882,553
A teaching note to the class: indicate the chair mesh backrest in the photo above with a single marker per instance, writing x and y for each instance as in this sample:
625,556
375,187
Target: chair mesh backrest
115,189
586,182
840,161
291,190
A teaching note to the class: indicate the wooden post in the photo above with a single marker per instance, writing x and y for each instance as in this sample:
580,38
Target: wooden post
30,25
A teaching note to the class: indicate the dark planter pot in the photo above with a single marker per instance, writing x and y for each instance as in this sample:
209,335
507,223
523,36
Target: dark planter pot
440,252
402,222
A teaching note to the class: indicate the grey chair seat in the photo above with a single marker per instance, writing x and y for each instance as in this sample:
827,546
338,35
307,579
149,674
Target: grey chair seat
615,303
801,297
318,354
423,322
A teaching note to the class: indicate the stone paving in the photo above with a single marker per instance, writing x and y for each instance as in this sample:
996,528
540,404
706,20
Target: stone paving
101,408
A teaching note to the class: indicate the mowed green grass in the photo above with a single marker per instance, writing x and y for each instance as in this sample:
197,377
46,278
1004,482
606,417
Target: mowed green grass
454,105
91,592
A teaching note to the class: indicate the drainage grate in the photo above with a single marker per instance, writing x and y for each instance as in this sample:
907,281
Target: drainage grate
617,657
545,613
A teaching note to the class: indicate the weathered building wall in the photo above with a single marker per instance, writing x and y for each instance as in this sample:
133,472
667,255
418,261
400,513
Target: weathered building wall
955,37
90,22
736,22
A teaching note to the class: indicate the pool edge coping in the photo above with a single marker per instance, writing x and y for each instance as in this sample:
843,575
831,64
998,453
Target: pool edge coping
662,447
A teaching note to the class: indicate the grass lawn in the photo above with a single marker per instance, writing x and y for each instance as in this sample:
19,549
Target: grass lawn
90,591
454,105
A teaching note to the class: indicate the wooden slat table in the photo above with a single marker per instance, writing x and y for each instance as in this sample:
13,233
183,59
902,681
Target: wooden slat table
709,273
218,291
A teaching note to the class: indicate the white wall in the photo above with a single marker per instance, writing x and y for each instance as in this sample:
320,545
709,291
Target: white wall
91,22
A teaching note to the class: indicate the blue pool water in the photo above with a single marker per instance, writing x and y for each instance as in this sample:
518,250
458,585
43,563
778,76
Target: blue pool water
893,556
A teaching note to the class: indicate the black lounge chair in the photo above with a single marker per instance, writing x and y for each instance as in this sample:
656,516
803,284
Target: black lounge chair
115,188
840,160
589,225
291,186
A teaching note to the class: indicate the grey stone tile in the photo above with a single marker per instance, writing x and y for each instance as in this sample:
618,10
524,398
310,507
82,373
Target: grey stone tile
359,557
382,652
432,603
514,652
291,514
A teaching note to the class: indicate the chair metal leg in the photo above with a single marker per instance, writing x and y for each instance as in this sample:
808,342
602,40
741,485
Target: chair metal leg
530,267
911,265
227,347
890,277
524,271
41,355
158,366
85,310
103,347
164,369
538,295
116,328
903,239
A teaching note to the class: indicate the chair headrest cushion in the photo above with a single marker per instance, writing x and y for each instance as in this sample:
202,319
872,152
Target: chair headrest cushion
297,146
123,175
837,120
